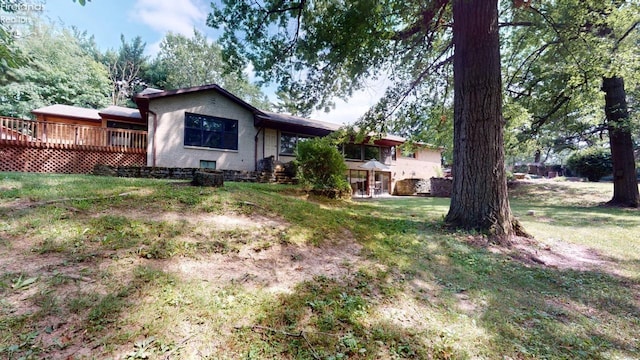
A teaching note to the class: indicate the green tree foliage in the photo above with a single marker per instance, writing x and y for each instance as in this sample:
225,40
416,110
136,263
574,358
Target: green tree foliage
126,66
321,166
323,49
10,55
58,71
194,61
555,62
558,63
592,163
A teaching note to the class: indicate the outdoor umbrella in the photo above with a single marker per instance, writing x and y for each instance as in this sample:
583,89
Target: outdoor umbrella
374,165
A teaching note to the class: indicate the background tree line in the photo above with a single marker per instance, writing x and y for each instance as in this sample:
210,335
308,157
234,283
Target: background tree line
55,65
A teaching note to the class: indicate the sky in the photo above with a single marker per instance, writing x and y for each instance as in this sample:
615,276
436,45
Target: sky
152,19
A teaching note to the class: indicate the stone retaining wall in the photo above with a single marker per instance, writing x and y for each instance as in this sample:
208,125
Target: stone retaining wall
407,187
441,187
182,173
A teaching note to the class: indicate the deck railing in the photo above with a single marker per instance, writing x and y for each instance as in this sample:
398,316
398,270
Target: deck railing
26,132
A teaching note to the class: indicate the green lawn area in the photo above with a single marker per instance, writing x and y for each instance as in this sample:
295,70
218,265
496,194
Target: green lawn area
95,267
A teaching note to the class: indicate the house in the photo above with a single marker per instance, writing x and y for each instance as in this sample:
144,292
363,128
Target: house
196,127
208,127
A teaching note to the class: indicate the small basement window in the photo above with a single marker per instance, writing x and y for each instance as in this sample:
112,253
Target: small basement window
207,164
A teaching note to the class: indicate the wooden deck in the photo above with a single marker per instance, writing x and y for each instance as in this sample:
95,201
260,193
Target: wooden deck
38,134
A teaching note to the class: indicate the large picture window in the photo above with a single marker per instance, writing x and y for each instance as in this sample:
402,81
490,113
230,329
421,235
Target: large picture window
366,152
210,131
288,143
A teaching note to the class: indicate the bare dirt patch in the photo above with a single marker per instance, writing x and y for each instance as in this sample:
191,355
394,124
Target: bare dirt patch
555,254
278,268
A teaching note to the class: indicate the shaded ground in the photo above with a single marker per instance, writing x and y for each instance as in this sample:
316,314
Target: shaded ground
199,274
276,267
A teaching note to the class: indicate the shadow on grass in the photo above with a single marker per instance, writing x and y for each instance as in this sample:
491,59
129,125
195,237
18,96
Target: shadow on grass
331,319
568,216
525,311
528,310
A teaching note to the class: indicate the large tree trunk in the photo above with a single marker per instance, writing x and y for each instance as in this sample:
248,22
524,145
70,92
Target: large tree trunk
625,183
479,199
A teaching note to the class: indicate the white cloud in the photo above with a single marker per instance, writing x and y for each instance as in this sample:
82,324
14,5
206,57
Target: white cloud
347,112
178,16
153,49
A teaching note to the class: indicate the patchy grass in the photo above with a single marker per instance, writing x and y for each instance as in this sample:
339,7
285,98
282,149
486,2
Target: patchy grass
263,271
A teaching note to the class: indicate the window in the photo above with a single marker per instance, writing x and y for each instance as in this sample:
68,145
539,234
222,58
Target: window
358,181
128,126
363,152
353,151
385,155
371,152
206,164
288,142
211,132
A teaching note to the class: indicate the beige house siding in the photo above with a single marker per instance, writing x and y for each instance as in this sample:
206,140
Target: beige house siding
167,130
424,166
168,134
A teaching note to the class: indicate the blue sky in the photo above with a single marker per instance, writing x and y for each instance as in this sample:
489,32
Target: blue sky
152,19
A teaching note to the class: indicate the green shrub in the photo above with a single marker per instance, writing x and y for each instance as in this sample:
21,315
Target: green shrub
592,163
321,166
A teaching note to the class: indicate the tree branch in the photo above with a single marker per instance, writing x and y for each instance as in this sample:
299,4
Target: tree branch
425,22
624,36
517,23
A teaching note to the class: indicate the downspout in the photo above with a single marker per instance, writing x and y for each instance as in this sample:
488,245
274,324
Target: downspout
153,139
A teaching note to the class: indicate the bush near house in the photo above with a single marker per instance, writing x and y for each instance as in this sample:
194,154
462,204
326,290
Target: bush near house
321,167
592,163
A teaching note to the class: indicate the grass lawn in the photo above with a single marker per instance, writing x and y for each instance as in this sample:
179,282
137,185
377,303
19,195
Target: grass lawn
94,267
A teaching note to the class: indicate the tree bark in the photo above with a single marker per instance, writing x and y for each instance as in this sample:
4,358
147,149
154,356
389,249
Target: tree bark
479,199
625,183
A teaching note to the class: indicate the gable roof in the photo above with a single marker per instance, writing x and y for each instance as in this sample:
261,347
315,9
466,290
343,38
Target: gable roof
143,98
69,112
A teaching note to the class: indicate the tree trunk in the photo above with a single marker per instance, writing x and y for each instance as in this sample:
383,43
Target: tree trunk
479,199
625,183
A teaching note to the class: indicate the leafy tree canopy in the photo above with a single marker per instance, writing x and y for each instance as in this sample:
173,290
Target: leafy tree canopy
58,71
193,61
554,65
126,67
316,50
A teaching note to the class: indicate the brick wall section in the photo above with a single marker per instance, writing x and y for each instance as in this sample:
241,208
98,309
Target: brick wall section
62,160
